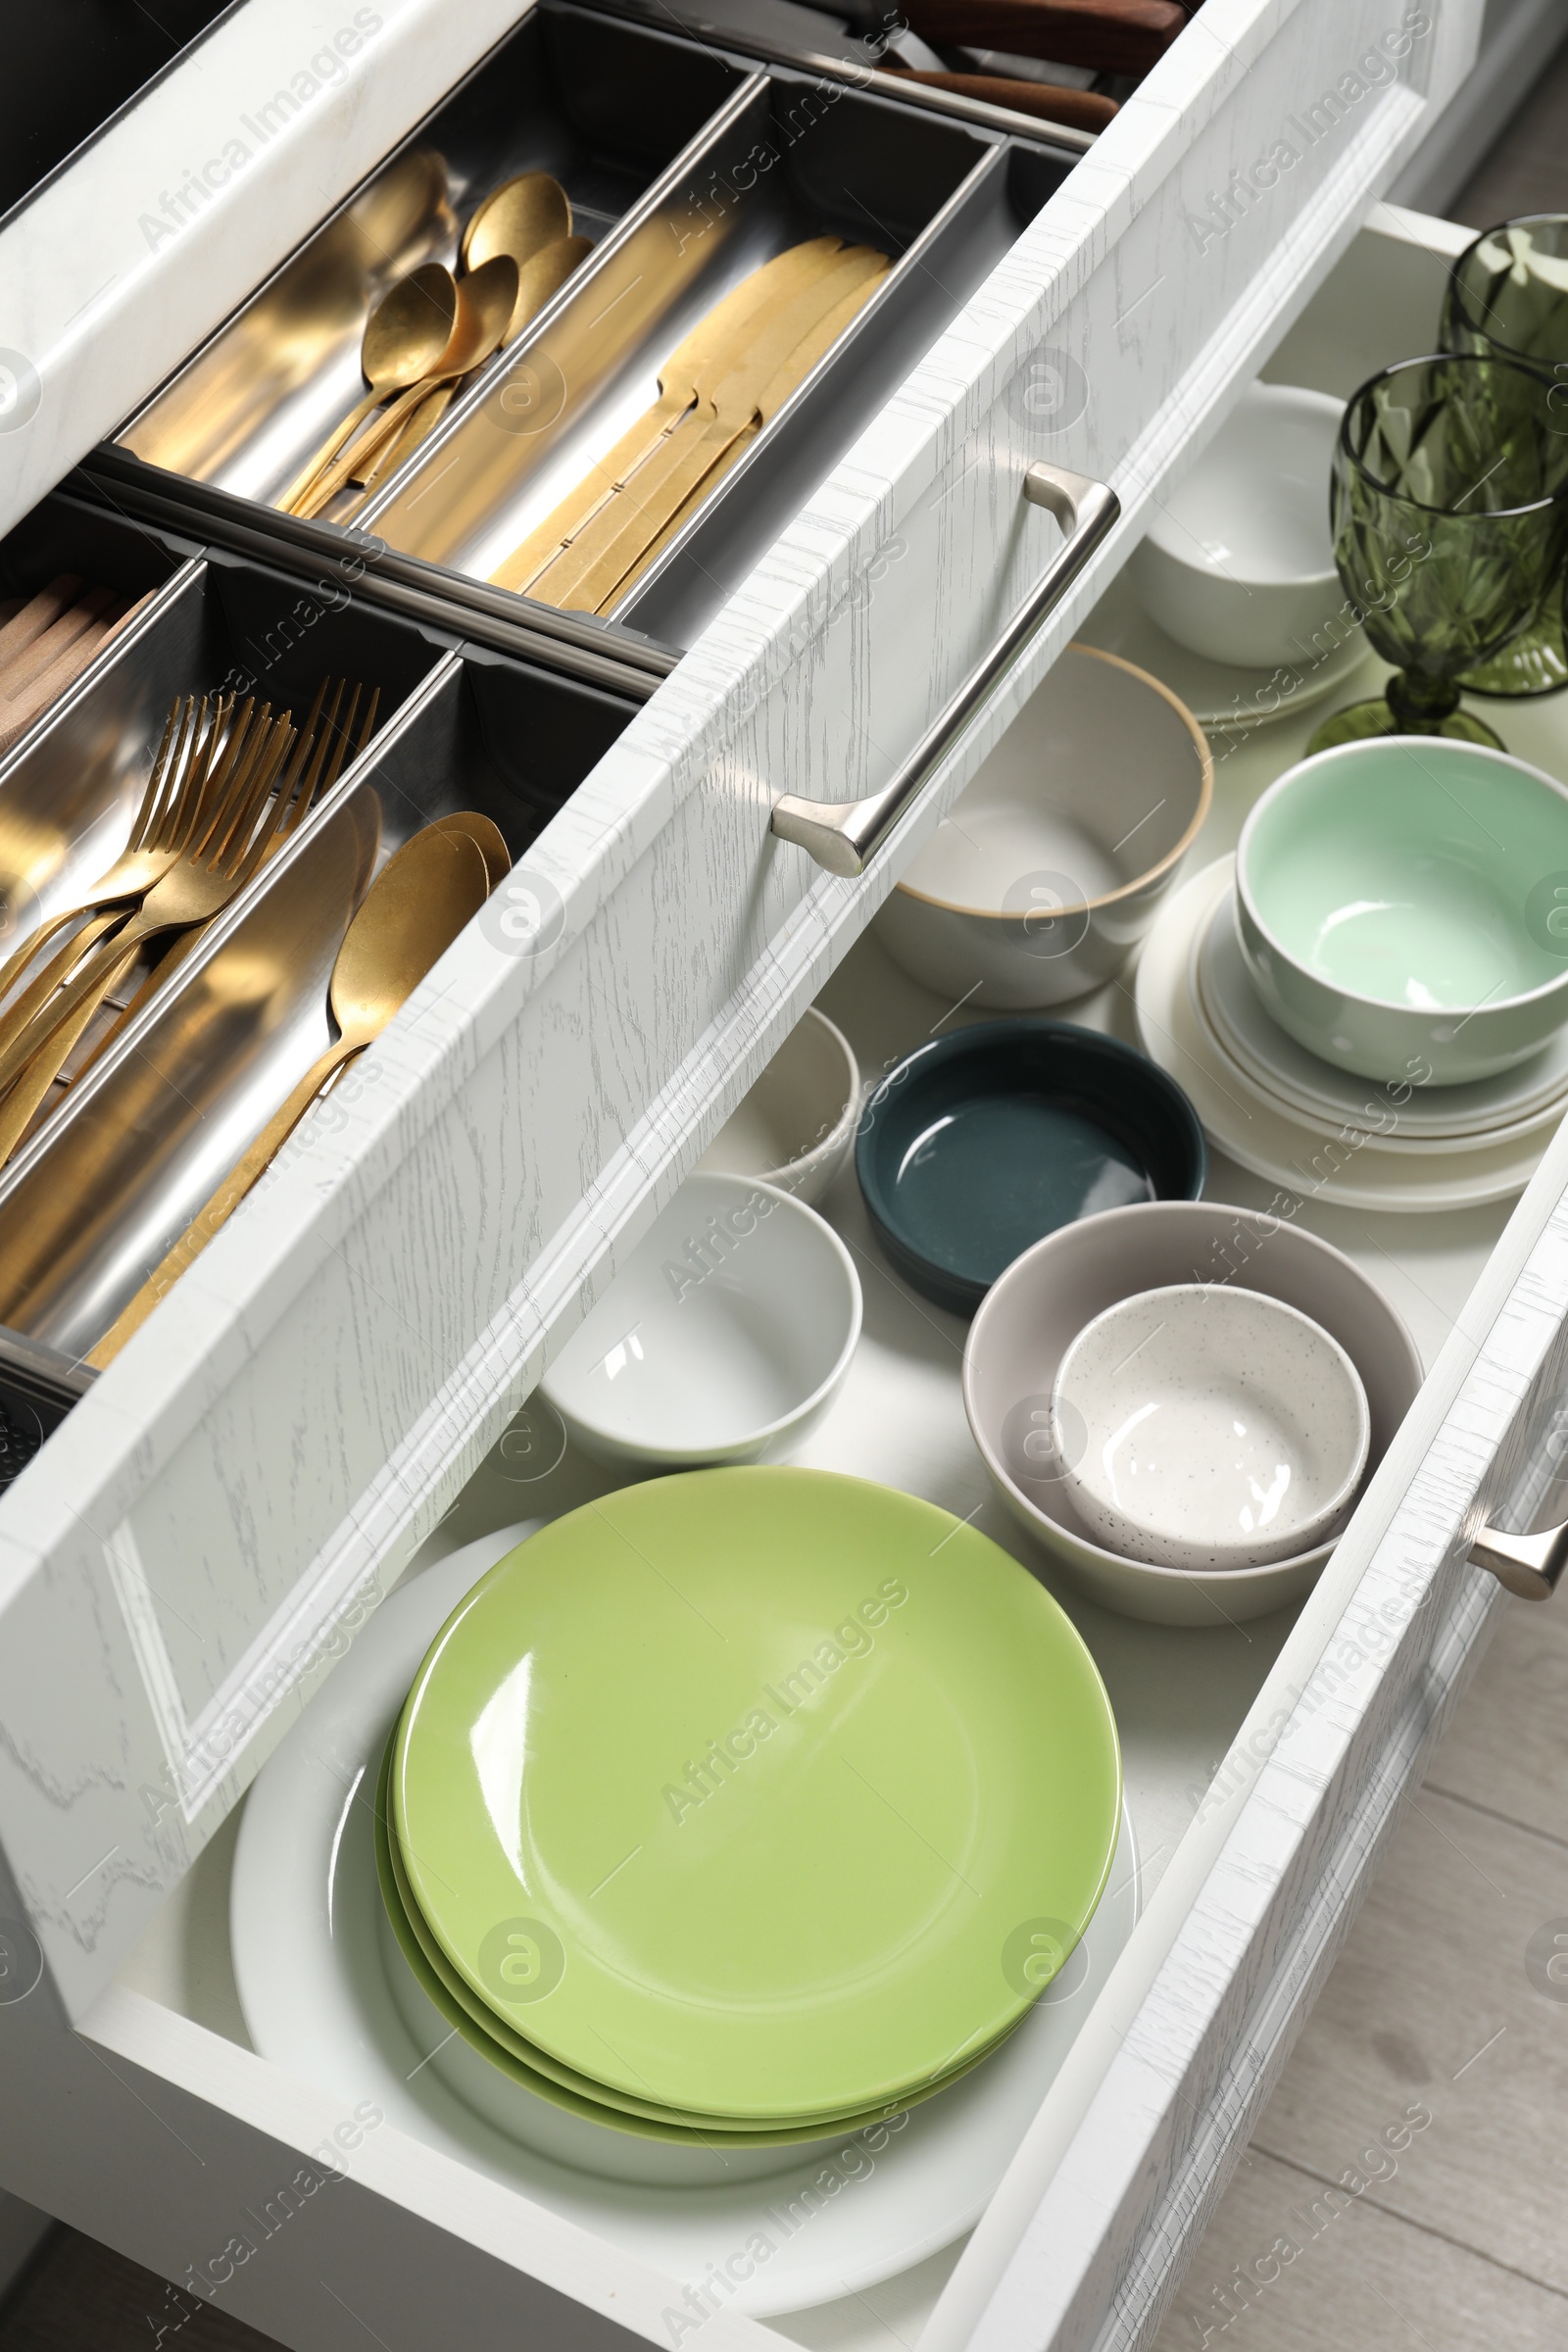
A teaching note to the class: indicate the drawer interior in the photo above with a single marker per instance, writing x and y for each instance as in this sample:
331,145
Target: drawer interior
797,161
167,1109
603,105
1180,1694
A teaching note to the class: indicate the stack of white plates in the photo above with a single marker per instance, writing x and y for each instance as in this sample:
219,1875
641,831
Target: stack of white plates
1277,1110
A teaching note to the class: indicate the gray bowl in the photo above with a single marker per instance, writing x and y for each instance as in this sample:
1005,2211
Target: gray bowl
1049,869
1046,1297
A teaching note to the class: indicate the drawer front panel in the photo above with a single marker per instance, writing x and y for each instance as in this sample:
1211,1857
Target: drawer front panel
303,1405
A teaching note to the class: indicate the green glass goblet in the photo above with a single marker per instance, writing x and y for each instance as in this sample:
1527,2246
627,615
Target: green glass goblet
1449,512
1507,296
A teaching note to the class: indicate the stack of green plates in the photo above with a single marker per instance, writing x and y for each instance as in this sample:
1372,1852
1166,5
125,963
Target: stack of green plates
748,1806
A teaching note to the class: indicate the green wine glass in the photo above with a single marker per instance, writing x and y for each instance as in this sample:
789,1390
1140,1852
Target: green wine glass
1507,296
1449,512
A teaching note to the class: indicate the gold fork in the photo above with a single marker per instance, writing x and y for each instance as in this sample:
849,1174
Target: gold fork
160,830
226,855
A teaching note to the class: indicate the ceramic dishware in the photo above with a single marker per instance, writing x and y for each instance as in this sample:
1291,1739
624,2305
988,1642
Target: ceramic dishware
329,1996
1238,566
1396,903
1337,1160
1035,1312
1450,523
760,1946
795,1128
976,1144
1048,872
1408,1117
1507,294
1224,695
723,1339
1204,1426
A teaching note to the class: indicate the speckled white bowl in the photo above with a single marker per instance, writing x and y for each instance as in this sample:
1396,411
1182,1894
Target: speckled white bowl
1204,1426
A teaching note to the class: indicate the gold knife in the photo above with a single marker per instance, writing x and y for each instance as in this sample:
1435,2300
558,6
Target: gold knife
727,399
794,373
710,338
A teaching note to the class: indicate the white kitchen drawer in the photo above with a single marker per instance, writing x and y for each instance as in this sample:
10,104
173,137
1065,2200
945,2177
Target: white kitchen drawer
279,1439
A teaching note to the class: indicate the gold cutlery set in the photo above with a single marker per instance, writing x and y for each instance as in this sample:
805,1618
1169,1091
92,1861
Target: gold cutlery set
717,390
46,642
434,328
427,891
231,781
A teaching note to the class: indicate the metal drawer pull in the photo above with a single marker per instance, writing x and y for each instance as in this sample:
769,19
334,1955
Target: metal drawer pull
845,835
1529,1565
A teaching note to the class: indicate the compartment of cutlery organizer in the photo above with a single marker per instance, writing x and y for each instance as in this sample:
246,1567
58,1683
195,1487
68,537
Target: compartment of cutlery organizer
71,578
802,158
602,105
90,1204
71,796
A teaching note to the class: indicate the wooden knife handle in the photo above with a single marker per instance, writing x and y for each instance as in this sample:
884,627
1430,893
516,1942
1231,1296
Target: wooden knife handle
1079,110
1113,36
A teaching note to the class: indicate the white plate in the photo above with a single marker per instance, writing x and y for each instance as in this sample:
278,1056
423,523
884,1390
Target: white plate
1317,1160
311,1963
1487,1110
1216,695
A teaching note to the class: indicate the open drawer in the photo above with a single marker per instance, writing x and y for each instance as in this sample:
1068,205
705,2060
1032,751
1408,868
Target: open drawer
160,1634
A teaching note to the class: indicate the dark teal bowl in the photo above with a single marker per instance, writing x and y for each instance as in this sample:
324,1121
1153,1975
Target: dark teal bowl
978,1145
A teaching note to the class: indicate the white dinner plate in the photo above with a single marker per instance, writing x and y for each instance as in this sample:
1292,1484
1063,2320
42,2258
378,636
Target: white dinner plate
1489,1111
1216,695
311,1961
1317,1160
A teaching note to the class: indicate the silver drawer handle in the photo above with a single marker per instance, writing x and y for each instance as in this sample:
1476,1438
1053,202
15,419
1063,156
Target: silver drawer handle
845,835
1529,1565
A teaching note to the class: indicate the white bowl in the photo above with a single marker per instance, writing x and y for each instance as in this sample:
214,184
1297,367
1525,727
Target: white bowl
1239,566
1030,1318
1201,1426
1049,869
724,1337
797,1124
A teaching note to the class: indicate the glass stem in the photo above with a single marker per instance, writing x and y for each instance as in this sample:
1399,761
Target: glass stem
1420,702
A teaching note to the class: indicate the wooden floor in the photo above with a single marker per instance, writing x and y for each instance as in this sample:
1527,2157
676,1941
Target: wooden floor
1439,2028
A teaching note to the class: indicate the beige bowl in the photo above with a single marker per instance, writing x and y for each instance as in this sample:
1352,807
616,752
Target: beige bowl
1048,871
1030,1318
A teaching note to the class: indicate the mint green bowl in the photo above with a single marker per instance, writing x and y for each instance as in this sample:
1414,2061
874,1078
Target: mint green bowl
1403,908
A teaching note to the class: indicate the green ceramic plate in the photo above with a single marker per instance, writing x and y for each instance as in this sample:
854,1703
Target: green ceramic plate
485,2033
742,1793
437,1988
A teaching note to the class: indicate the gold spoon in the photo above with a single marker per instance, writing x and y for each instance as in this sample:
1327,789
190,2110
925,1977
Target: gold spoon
520,218
422,899
543,276
487,298
404,336
537,280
